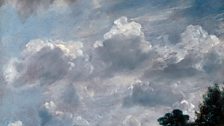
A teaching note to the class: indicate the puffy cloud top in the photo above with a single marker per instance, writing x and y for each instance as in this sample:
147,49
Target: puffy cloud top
126,43
69,49
123,27
45,62
196,38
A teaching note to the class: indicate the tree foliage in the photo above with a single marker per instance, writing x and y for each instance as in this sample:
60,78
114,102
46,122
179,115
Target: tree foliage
176,118
211,111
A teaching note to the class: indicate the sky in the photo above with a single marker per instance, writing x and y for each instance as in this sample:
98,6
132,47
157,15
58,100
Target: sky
106,62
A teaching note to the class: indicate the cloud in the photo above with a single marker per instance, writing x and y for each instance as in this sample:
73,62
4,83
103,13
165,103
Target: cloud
202,48
27,7
1,2
194,38
65,82
45,62
196,61
125,42
50,115
186,58
16,123
131,121
146,94
13,109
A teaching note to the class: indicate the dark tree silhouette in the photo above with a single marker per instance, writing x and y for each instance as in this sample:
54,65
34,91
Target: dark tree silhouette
211,111
176,118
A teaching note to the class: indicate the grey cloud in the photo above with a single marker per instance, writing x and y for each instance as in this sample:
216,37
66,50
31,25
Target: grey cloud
186,62
66,96
124,46
149,95
45,117
123,53
1,2
27,7
46,63
49,115
47,66
187,58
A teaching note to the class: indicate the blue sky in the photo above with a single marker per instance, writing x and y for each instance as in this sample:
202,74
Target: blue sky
106,62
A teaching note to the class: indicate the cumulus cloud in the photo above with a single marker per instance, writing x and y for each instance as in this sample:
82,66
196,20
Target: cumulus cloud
187,57
125,42
201,48
45,62
49,68
195,61
194,38
60,82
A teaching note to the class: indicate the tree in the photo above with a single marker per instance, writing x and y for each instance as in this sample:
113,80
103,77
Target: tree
176,118
211,111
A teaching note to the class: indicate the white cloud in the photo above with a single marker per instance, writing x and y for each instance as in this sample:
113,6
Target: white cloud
69,49
126,43
50,106
46,61
131,121
192,51
72,80
125,29
16,123
194,38
79,121
122,26
10,72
